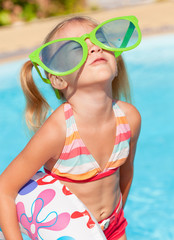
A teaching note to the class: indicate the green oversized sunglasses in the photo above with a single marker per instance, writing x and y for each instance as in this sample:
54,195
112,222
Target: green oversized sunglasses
64,56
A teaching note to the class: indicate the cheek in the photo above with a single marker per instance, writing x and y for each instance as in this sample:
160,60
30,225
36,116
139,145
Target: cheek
71,78
116,68
111,57
113,63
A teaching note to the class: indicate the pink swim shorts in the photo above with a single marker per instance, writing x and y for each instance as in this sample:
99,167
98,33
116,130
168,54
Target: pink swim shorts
114,226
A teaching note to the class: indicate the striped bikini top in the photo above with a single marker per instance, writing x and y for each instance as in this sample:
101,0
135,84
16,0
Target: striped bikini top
76,164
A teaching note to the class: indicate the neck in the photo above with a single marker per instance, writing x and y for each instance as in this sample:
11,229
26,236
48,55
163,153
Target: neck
94,107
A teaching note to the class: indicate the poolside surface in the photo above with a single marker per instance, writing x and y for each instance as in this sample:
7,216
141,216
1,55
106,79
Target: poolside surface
19,40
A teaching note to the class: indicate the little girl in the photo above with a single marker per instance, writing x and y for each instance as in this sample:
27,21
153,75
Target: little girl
88,143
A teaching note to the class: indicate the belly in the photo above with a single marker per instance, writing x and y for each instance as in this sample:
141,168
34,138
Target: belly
100,197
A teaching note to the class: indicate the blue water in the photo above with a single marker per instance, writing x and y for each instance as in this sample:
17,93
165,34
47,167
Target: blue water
150,208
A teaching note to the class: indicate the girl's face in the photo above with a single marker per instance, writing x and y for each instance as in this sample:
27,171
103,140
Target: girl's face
100,65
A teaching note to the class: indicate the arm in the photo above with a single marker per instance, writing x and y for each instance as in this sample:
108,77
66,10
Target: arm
46,144
126,170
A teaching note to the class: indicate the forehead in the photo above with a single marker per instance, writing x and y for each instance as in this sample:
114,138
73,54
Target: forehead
74,29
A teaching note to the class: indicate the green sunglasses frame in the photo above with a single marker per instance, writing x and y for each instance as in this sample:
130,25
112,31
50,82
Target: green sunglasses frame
35,58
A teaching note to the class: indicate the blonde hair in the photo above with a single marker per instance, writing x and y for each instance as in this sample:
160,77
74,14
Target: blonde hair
37,107
120,84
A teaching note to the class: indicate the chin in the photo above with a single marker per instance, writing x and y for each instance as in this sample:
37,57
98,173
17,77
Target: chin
104,76
100,76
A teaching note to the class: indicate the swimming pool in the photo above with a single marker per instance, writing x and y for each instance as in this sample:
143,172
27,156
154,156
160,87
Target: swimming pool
149,209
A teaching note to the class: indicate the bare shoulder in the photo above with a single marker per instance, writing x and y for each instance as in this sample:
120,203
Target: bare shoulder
48,141
133,116
54,128
56,121
46,144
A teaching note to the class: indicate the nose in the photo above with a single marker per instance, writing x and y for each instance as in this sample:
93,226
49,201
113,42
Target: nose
93,48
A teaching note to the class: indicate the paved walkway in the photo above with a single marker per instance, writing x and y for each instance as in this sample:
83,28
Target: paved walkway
19,40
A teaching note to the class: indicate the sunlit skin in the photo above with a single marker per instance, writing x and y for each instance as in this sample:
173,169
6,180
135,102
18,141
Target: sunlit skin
92,72
89,92
94,78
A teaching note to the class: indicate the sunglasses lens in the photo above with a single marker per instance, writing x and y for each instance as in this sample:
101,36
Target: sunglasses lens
62,56
119,33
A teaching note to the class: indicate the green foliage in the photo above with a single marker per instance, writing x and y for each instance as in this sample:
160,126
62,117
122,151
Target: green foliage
4,18
29,12
26,10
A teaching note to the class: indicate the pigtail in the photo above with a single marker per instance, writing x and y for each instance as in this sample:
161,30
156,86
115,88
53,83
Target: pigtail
120,84
36,106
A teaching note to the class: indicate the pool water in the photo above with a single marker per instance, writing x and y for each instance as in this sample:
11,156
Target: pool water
149,208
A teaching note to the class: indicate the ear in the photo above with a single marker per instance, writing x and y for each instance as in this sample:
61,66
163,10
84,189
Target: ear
58,82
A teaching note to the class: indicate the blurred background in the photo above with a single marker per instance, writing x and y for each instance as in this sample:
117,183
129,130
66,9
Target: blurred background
29,21
15,11
24,25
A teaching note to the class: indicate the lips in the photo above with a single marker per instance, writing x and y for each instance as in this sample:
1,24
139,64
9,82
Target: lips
99,60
